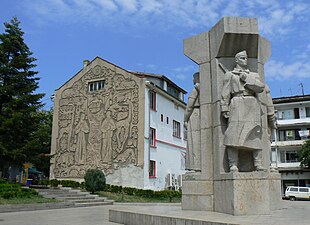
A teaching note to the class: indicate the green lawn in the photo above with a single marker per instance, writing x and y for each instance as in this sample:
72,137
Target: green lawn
117,197
31,200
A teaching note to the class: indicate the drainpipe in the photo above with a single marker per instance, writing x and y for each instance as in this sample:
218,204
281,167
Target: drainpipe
148,127
276,145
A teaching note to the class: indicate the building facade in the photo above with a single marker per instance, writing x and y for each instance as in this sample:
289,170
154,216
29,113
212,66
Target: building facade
109,118
293,119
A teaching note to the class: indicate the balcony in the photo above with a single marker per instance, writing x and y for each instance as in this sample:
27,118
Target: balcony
287,143
289,165
293,122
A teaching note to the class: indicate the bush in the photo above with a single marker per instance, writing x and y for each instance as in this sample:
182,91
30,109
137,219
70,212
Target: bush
145,193
82,185
54,182
94,180
170,194
4,181
70,183
129,190
44,182
114,188
164,194
9,191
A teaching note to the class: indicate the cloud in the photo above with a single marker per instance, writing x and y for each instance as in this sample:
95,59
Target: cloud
277,70
275,16
184,72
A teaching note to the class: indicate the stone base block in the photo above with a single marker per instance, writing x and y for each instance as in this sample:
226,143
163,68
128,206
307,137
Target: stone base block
253,193
197,195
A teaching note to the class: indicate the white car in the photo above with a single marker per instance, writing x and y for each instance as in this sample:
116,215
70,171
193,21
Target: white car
293,193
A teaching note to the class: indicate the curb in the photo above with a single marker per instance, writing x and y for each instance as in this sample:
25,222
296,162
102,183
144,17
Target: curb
36,206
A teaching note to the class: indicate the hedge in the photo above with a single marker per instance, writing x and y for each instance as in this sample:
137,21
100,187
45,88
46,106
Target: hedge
8,191
64,183
143,193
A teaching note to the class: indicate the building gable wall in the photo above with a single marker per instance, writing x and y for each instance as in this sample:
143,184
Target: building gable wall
99,129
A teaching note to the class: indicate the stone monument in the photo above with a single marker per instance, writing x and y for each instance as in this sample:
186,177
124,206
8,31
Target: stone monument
192,124
236,118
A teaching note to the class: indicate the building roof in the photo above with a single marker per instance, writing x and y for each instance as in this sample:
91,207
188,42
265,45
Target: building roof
139,74
159,76
289,99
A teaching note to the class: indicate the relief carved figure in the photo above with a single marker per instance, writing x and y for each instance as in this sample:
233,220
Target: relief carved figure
241,105
81,130
107,128
192,124
97,129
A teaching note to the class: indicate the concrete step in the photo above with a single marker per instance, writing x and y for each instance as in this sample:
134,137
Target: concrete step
86,204
74,196
87,200
58,190
65,194
77,198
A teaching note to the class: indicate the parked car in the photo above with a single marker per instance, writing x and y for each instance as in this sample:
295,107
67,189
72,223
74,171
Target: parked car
293,193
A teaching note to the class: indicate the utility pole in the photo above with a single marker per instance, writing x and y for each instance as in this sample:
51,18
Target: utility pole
302,88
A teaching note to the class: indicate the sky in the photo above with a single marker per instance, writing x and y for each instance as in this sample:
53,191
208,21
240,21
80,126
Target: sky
147,36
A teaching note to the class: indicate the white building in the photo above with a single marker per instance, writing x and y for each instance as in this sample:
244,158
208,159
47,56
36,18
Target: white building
293,128
128,124
166,146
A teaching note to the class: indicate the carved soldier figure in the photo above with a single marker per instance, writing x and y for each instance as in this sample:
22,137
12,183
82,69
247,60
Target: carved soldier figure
192,123
241,106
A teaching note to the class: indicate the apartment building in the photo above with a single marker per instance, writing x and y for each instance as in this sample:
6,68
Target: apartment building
293,128
128,124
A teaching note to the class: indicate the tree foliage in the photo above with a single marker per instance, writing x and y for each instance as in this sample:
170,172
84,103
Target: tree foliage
19,104
94,180
38,146
304,154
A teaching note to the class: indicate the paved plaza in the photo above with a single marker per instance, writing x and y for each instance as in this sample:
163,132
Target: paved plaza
96,215
292,213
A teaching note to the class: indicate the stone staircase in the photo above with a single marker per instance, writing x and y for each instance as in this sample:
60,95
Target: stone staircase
74,196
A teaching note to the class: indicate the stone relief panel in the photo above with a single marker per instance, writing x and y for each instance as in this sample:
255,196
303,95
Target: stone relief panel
97,128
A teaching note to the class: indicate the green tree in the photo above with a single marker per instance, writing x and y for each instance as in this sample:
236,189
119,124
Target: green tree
304,154
39,145
18,102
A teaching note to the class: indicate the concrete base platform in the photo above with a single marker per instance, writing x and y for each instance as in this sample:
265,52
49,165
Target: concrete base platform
291,213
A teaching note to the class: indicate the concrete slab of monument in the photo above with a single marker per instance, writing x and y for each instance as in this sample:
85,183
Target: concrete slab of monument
290,213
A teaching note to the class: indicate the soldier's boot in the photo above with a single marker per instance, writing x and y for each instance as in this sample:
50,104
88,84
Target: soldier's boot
233,159
257,156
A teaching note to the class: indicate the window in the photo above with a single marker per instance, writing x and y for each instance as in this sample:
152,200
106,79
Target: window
273,157
307,111
290,156
303,189
152,169
296,113
294,189
167,120
289,135
96,85
176,129
287,114
153,137
173,91
153,100
304,134
162,118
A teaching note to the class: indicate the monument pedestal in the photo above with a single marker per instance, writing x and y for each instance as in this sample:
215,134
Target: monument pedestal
197,193
250,193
